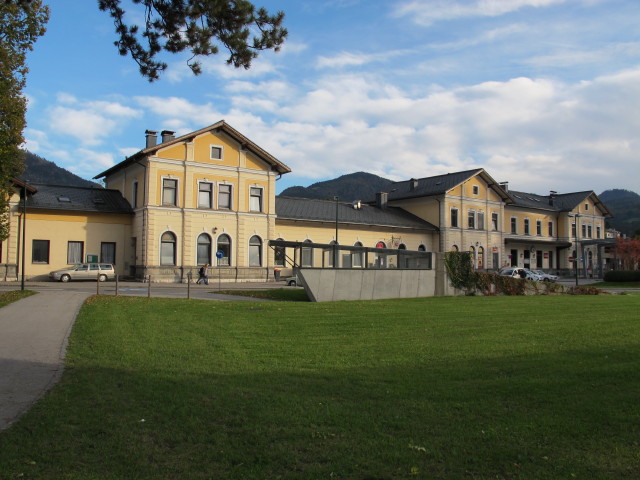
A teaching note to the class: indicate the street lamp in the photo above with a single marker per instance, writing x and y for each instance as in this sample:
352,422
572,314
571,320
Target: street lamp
577,258
335,247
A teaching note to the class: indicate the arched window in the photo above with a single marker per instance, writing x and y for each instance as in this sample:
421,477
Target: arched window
480,257
331,254
357,257
224,246
402,246
255,251
168,249
454,248
279,255
204,249
472,251
381,260
306,254
422,248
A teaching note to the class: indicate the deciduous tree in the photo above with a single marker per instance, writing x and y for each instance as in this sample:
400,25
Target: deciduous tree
21,23
197,26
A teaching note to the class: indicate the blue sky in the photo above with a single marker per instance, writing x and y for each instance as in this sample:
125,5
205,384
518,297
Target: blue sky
544,94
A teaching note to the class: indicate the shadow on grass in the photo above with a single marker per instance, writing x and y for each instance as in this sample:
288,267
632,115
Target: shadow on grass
539,417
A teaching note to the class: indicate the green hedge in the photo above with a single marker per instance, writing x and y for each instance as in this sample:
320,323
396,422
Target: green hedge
622,276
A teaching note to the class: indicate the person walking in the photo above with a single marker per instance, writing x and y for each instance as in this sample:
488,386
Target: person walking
203,277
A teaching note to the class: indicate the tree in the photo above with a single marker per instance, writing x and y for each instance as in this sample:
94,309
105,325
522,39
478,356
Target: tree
195,25
21,23
627,250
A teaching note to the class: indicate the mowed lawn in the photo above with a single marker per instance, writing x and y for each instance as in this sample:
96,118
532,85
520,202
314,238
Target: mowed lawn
541,387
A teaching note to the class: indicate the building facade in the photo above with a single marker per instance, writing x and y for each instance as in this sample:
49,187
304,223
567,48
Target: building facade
209,197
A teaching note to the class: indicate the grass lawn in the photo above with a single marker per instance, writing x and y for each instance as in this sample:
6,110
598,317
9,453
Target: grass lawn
285,294
616,284
13,296
543,387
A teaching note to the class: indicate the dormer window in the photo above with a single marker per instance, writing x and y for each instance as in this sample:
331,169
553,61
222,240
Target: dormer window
64,199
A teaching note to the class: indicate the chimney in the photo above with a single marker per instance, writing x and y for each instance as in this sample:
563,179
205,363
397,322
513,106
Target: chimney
151,138
505,186
413,184
167,135
381,199
552,197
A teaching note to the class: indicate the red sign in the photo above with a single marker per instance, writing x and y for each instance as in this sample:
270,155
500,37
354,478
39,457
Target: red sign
571,259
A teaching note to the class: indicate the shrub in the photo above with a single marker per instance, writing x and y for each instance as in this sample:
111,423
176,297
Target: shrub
622,276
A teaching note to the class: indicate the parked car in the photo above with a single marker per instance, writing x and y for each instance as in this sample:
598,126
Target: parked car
546,277
519,272
84,271
292,281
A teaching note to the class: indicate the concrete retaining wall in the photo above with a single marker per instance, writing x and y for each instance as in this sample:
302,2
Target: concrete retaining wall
326,285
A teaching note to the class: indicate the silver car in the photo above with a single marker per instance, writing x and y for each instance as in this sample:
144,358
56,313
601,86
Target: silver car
85,271
546,277
519,272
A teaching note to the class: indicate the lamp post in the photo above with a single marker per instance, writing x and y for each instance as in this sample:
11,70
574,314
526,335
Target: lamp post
335,247
24,229
577,257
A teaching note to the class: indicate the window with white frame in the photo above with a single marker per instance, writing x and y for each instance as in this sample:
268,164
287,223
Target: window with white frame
224,246
480,218
279,255
471,219
75,252
203,252
255,199
306,255
224,196
255,251
169,191
539,227
526,226
168,249
216,152
205,195
494,222
357,257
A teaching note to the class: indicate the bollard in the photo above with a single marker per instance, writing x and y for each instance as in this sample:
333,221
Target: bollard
98,285
189,285
117,284
149,287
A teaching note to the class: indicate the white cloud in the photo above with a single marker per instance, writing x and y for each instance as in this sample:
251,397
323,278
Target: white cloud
427,12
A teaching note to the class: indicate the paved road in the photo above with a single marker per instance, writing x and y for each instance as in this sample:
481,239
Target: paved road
34,332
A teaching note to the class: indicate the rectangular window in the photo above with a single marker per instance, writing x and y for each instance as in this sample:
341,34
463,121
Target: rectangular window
526,226
169,191
108,252
589,231
494,222
539,227
573,229
480,220
584,231
471,219
224,197
40,251
476,190
598,231
454,217
255,199
216,152
514,225
75,252
550,226
205,195
134,195
279,255
255,256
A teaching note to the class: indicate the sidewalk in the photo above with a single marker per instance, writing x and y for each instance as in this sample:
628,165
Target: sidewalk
33,342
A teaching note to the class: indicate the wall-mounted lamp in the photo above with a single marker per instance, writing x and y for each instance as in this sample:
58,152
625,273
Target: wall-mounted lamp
214,230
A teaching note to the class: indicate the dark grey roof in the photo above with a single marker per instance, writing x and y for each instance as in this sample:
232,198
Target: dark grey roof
424,187
83,199
532,200
313,210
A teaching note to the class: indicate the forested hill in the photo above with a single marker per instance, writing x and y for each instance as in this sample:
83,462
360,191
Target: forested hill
354,186
40,170
625,206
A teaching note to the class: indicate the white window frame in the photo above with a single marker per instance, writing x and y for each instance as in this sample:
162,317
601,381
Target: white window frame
211,193
260,251
495,226
220,147
539,228
261,198
471,219
526,225
175,204
231,188
480,220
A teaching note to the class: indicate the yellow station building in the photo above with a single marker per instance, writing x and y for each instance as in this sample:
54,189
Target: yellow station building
209,197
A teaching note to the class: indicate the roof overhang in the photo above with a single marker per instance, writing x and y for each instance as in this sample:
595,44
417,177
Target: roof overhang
536,242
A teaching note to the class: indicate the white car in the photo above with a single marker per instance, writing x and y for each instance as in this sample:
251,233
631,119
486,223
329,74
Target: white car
546,277
519,272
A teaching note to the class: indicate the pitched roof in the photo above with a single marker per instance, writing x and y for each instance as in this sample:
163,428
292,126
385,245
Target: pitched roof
313,210
82,199
220,126
563,202
440,184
